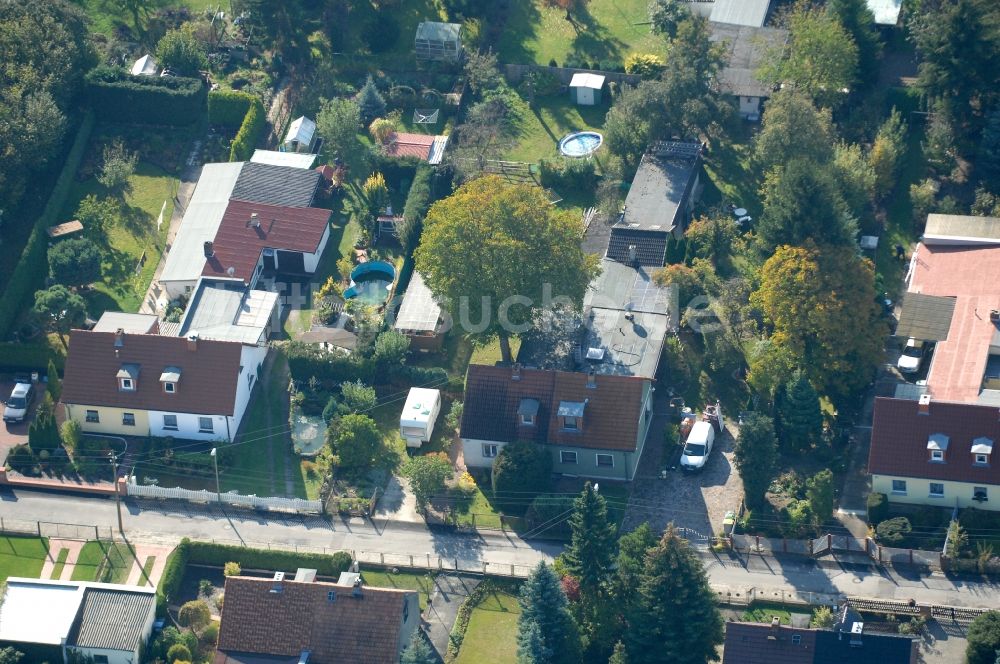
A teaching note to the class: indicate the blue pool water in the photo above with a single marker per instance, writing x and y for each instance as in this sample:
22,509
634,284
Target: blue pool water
370,282
580,144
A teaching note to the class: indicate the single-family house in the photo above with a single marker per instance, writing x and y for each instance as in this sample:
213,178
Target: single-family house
929,452
746,48
60,621
438,41
846,642
420,317
282,621
300,135
156,385
594,425
658,204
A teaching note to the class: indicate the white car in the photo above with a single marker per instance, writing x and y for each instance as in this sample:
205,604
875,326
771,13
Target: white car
912,356
16,407
698,446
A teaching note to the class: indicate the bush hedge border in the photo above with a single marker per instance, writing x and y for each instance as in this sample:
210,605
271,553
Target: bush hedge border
228,107
478,594
33,265
249,133
171,100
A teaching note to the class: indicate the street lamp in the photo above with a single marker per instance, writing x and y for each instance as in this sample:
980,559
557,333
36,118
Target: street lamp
215,462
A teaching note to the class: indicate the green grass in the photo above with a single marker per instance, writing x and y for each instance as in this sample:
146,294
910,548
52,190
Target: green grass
489,354
605,31
147,569
89,561
423,583
57,569
548,121
492,632
22,556
763,612
91,564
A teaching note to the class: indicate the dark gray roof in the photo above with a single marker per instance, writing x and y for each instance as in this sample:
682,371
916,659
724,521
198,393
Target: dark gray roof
746,45
742,83
660,189
111,619
925,317
650,246
741,12
276,185
958,229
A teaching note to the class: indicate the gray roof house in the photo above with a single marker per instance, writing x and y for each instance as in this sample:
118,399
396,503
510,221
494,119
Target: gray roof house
746,47
658,204
740,12
54,619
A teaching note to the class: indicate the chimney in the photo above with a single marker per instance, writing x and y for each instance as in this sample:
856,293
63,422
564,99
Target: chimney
357,590
255,220
276,586
516,371
193,342
775,629
209,249
120,337
632,253
924,404
592,379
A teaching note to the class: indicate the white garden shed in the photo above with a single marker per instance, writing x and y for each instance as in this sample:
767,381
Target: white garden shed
300,135
416,423
585,89
144,66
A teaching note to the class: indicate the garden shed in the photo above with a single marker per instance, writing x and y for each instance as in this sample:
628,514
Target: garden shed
300,135
416,423
438,41
585,89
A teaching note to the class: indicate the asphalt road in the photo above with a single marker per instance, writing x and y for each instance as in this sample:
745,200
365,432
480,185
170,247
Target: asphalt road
768,577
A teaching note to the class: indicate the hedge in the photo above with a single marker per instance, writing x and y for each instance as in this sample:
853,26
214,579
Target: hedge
249,133
307,360
33,266
29,357
167,100
169,586
217,555
418,200
568,174
472,600
229,107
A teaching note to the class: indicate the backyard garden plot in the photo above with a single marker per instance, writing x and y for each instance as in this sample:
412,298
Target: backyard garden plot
22,556
492,632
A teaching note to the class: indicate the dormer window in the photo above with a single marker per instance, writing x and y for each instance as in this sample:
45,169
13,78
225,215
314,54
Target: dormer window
127,377
170,388
571,415
169,379
937,445
982,450
527,412
570,423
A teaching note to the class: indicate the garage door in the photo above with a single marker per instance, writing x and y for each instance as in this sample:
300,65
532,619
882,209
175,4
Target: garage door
291,262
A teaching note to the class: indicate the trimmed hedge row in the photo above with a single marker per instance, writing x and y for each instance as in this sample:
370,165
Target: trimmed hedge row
29,357
418,200
217,555
307,360
169,586
33,265
249,133
472,600
167,100
567,174
228,107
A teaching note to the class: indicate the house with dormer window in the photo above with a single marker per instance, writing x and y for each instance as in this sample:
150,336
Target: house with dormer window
130,384
928,452
593,424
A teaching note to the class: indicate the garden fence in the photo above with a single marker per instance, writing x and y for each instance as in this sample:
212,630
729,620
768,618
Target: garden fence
228,498
54,530
830,544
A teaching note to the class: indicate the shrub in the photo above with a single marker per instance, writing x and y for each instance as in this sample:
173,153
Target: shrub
878,508
453,419
70,433
21,459
249,132
563,173
228,107
356,440
381,129
418,200
168,100
75,262
893,531
983,639
644,65
173,573
306,361
217,555
521,469
178,653
28,357
210,635
428,474
194,614
232,568
205,587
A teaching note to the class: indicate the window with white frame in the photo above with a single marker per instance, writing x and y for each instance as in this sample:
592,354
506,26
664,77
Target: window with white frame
566,456
170,422
899,486
205,425
937,455
170,388
528,420
936,490
489,450
982,459
605,461
126,384
93,417
128,419
570,423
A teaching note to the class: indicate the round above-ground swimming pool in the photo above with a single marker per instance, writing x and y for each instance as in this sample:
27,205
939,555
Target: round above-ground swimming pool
580,144
371,282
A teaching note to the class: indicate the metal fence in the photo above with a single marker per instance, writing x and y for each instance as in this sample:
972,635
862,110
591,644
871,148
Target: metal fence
832,544
54,530
228,498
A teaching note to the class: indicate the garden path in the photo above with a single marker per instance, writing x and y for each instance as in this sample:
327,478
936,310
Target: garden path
450,590
55,546
142,552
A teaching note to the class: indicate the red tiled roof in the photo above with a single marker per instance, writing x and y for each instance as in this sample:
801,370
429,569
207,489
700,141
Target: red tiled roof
238,243
409,145
610,416
301,617
971,275
900,434
209,372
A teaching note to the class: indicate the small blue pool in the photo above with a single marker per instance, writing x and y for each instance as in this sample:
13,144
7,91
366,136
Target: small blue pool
580,144
371,282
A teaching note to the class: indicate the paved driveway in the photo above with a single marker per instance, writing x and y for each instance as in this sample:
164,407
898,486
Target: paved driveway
697,501
15,434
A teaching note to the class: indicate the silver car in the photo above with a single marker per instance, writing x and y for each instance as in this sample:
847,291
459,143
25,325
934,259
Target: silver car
16,408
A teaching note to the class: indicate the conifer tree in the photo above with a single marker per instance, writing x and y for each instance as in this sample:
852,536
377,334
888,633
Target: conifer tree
417,651
800,414
544,610
592,547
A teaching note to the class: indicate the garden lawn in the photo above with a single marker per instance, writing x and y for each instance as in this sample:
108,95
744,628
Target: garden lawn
492,632
604,33
423,583
22,556
90,562
60,564
548,121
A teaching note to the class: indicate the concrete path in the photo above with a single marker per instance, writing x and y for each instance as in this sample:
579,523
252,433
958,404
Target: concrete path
398,503
142,552
449,592
55,546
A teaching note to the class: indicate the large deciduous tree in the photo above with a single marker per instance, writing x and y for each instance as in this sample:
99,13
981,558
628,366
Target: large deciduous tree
427,474
521,471
792,127
821,307
75,262
820,57
493,253
60,309
756,457
545,629
666,15
859,22
675,619
338,122
983,639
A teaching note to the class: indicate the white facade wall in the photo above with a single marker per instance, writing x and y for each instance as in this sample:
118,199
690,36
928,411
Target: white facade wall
312,260
176,289
188,426
955,493
473,450
749,107
251,358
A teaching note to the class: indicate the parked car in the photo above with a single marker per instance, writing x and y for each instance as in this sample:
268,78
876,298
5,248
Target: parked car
912,356
17,405
698,446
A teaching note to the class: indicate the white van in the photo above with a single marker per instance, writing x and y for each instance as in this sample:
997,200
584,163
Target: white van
698,446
